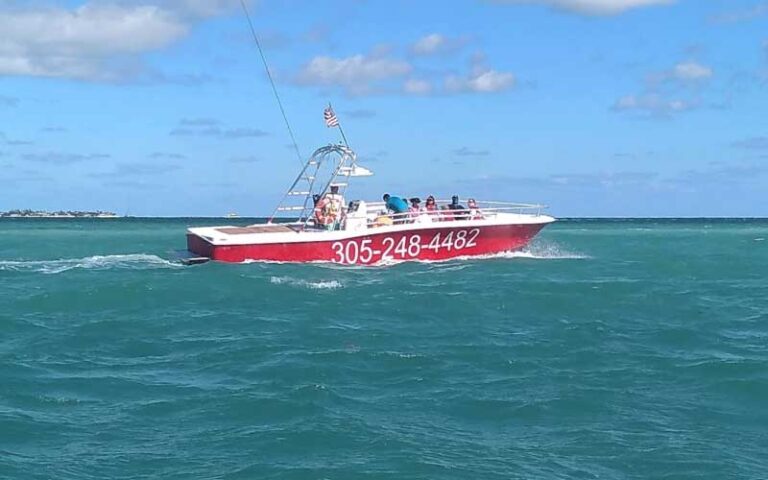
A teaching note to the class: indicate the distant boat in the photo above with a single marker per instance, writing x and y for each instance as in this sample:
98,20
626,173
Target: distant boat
232,215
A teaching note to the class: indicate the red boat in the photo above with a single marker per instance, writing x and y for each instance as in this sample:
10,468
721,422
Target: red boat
362,233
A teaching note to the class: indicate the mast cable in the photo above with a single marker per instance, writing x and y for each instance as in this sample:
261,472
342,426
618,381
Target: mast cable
272,81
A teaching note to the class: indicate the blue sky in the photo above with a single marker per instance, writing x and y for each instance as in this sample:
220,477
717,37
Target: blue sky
594,107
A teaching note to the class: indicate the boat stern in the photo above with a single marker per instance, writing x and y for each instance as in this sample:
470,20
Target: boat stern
199,243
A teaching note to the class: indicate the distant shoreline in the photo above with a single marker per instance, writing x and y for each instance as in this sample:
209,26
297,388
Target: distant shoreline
73,217
4,215
59,214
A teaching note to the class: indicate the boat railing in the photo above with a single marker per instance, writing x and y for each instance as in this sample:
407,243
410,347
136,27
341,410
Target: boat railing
484,208
377,214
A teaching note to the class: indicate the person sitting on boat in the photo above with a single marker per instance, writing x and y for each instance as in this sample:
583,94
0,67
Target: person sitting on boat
433,212
474,210
445,214
397,206
336,197
327,214
431,205
459,212
414,211
329,210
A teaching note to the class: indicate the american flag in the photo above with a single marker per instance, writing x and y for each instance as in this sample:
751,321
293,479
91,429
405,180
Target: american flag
330,118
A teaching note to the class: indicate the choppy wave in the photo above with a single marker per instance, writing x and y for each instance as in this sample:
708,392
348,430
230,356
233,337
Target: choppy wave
544,251
138,261
313,285
561,356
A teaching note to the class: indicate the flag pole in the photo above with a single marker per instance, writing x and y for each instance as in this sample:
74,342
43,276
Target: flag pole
341,130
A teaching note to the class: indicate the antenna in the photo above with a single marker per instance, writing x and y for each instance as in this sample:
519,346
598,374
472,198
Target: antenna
271,81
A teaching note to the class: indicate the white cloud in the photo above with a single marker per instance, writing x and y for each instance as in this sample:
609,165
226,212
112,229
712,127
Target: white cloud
652,104
428,45
358,74
593,7
415,86
435,43
656,101
481,81
98,41
380,73
691,71
84,42
491,81
196,8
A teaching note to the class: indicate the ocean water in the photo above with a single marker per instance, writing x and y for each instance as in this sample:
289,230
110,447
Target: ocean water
608,349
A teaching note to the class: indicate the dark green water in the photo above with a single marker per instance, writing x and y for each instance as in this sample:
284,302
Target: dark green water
611,349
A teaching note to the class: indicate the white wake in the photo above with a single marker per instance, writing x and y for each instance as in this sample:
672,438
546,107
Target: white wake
138,261
295,282
543,251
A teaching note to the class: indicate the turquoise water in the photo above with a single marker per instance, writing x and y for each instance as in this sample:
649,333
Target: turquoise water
609,349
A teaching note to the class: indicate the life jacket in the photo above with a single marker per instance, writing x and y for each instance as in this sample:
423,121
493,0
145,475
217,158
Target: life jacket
336,200
325,212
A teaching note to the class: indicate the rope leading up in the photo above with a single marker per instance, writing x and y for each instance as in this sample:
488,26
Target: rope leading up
272,81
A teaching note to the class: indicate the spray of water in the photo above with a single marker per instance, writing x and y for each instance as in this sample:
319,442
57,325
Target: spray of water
139,261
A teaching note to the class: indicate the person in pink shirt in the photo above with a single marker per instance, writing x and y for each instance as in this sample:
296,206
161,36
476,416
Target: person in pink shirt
415,209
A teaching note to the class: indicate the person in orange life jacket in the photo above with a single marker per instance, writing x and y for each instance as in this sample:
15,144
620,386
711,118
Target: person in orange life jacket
322,213
336,197
328,209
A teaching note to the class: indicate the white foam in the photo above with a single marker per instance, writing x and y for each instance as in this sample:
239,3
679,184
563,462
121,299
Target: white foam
553,254
400,354
535,251
138,261
317,285
543,250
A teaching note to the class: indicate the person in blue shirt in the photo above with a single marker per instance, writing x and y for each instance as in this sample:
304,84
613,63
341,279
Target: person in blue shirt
396,205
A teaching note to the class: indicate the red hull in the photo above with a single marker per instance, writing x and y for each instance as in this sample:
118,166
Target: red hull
423,244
